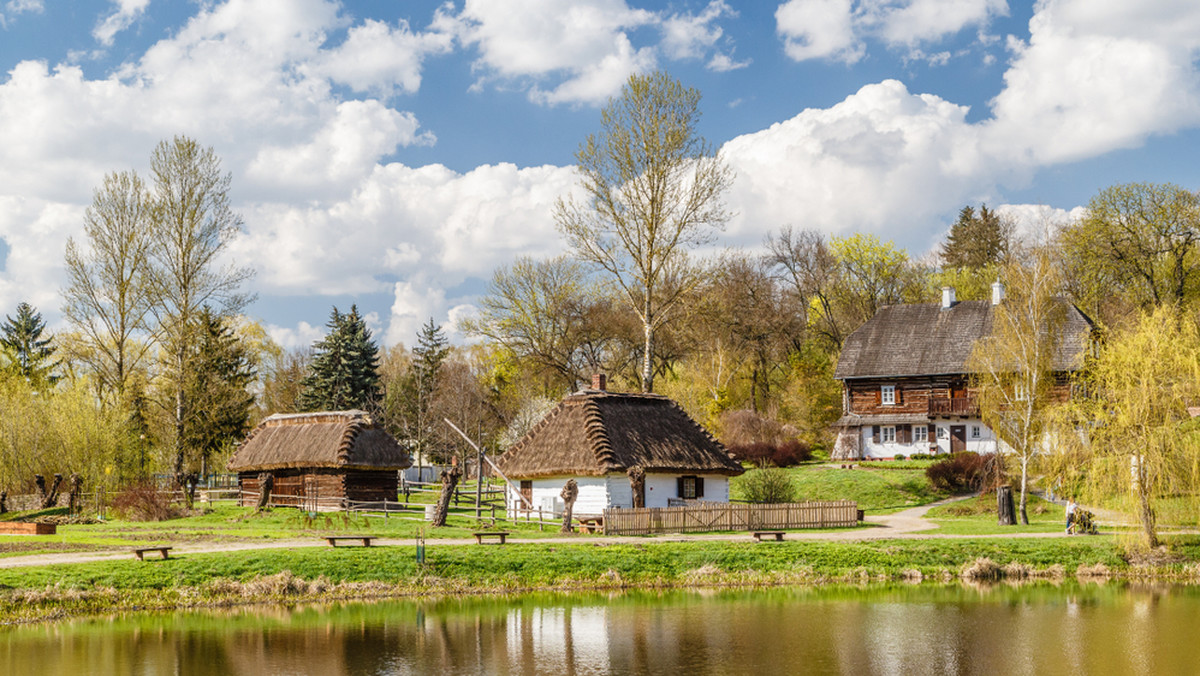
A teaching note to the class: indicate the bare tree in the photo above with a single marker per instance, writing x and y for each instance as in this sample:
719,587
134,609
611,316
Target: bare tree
106,298
569,493
193,226
653,191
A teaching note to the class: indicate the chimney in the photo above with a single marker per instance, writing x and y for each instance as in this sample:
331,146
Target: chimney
997,292
599,382
947,297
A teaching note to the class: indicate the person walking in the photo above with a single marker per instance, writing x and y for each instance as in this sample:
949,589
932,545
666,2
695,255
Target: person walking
1071,507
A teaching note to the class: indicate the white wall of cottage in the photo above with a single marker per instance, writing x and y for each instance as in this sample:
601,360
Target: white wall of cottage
986,442
613,490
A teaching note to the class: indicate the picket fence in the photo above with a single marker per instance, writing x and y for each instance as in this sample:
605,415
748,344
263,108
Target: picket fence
717,516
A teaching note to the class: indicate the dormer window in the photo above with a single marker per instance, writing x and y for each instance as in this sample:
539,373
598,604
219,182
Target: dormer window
887,395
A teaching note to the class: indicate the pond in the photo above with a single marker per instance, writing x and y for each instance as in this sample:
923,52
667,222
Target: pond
1042,628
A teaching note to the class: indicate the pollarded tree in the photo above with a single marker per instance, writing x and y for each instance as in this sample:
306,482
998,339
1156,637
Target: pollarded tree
344,371
30,355
653,190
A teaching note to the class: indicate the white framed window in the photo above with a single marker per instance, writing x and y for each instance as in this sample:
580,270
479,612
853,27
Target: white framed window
920,434
976,432
887,435
1021,392
887,395
942,433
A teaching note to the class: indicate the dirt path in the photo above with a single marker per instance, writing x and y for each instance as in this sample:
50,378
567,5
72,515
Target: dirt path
907,524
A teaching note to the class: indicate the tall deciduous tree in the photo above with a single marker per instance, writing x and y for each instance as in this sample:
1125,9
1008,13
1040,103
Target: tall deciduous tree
654,189
193,225
1014,366
344,373
1133,427
30,354
106,298
1141,240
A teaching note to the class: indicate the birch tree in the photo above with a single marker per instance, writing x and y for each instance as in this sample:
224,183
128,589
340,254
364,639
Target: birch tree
653,190
1013,368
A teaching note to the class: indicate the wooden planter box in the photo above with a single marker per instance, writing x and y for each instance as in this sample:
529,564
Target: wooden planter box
25,528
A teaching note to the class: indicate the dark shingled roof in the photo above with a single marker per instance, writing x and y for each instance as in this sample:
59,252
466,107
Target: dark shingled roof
332,439
923,339
594,432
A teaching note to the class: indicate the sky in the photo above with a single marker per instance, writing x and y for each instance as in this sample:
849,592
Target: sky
395,154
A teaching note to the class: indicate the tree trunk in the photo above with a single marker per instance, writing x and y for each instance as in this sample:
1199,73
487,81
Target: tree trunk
49,498
569,493
449,482
76,490
1147,514
647,355
3,502
266,482
188,483
1024,490
1004,506
637,485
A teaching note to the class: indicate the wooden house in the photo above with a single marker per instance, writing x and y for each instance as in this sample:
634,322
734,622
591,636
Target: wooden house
595,437
320,460
905,384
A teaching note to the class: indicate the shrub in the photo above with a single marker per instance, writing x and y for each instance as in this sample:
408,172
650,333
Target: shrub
960,473
144,502
761,453
769,485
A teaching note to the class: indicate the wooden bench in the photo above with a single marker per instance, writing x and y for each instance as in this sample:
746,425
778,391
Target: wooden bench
141,552
501,534
592,525
760,534
365,539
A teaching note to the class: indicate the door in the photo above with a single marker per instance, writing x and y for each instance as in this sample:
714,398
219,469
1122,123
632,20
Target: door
958,438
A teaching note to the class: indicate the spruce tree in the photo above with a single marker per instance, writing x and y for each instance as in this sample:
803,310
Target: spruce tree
220,369
344,373
30,355
977,239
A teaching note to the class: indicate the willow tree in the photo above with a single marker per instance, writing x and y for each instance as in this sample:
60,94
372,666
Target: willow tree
1014,368
1133,431
653,189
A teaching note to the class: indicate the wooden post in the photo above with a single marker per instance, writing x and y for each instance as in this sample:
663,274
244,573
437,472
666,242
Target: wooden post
569,493
1004,506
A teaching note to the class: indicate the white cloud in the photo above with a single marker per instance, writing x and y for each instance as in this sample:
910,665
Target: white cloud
303,335
1036,222
818,29
127,11
377,58
691,36
927,20
415,303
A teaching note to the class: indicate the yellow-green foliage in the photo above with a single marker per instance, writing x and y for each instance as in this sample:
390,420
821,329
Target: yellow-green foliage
58,431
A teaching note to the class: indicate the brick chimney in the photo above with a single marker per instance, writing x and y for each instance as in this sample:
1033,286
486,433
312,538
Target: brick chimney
599,382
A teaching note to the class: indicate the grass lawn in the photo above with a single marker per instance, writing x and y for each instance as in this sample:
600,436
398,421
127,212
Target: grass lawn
977,516
877,487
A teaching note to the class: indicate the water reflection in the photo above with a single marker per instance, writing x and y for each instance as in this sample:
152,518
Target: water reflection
878,630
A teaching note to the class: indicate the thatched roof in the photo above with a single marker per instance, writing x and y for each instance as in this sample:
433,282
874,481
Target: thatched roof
922,339
331,439
594,432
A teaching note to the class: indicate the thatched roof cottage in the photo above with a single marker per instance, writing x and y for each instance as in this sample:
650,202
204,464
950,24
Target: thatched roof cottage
320,459
596,437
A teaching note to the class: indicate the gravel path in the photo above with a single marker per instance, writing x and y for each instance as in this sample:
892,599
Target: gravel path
906,524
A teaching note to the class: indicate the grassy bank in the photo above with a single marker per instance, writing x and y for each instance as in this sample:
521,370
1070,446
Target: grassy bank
877,487
282,575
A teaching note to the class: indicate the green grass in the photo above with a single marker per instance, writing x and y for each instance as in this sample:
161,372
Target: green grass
878,488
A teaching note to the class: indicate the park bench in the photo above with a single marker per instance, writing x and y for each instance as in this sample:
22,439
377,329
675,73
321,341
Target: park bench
141,552
333,539
501,534
760,534
592,525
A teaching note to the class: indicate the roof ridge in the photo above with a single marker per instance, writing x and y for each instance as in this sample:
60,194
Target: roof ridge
703,430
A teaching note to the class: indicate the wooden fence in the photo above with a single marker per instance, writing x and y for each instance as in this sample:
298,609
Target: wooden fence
714,516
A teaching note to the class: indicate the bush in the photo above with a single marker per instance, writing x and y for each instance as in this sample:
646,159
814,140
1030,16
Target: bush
769,485
144,502
960,473
762,454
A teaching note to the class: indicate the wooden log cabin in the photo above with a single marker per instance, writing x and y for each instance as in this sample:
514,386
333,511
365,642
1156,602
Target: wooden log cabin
905,385
318,461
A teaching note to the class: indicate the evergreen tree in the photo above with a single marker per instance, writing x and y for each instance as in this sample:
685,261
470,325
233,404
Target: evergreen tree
220,369
30,355
417,388
344,372
976,240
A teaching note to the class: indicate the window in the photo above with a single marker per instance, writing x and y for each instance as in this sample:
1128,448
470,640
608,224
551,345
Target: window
942,433
920,434
1021,392
976,432
887,395
690,487
888,434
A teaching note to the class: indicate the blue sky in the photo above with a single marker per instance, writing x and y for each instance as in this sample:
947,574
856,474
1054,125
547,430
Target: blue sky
394,154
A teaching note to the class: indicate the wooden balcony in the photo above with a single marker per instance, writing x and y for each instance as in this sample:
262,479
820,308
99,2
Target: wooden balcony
963,406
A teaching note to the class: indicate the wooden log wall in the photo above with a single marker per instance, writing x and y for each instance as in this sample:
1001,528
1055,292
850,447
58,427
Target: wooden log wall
716,516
